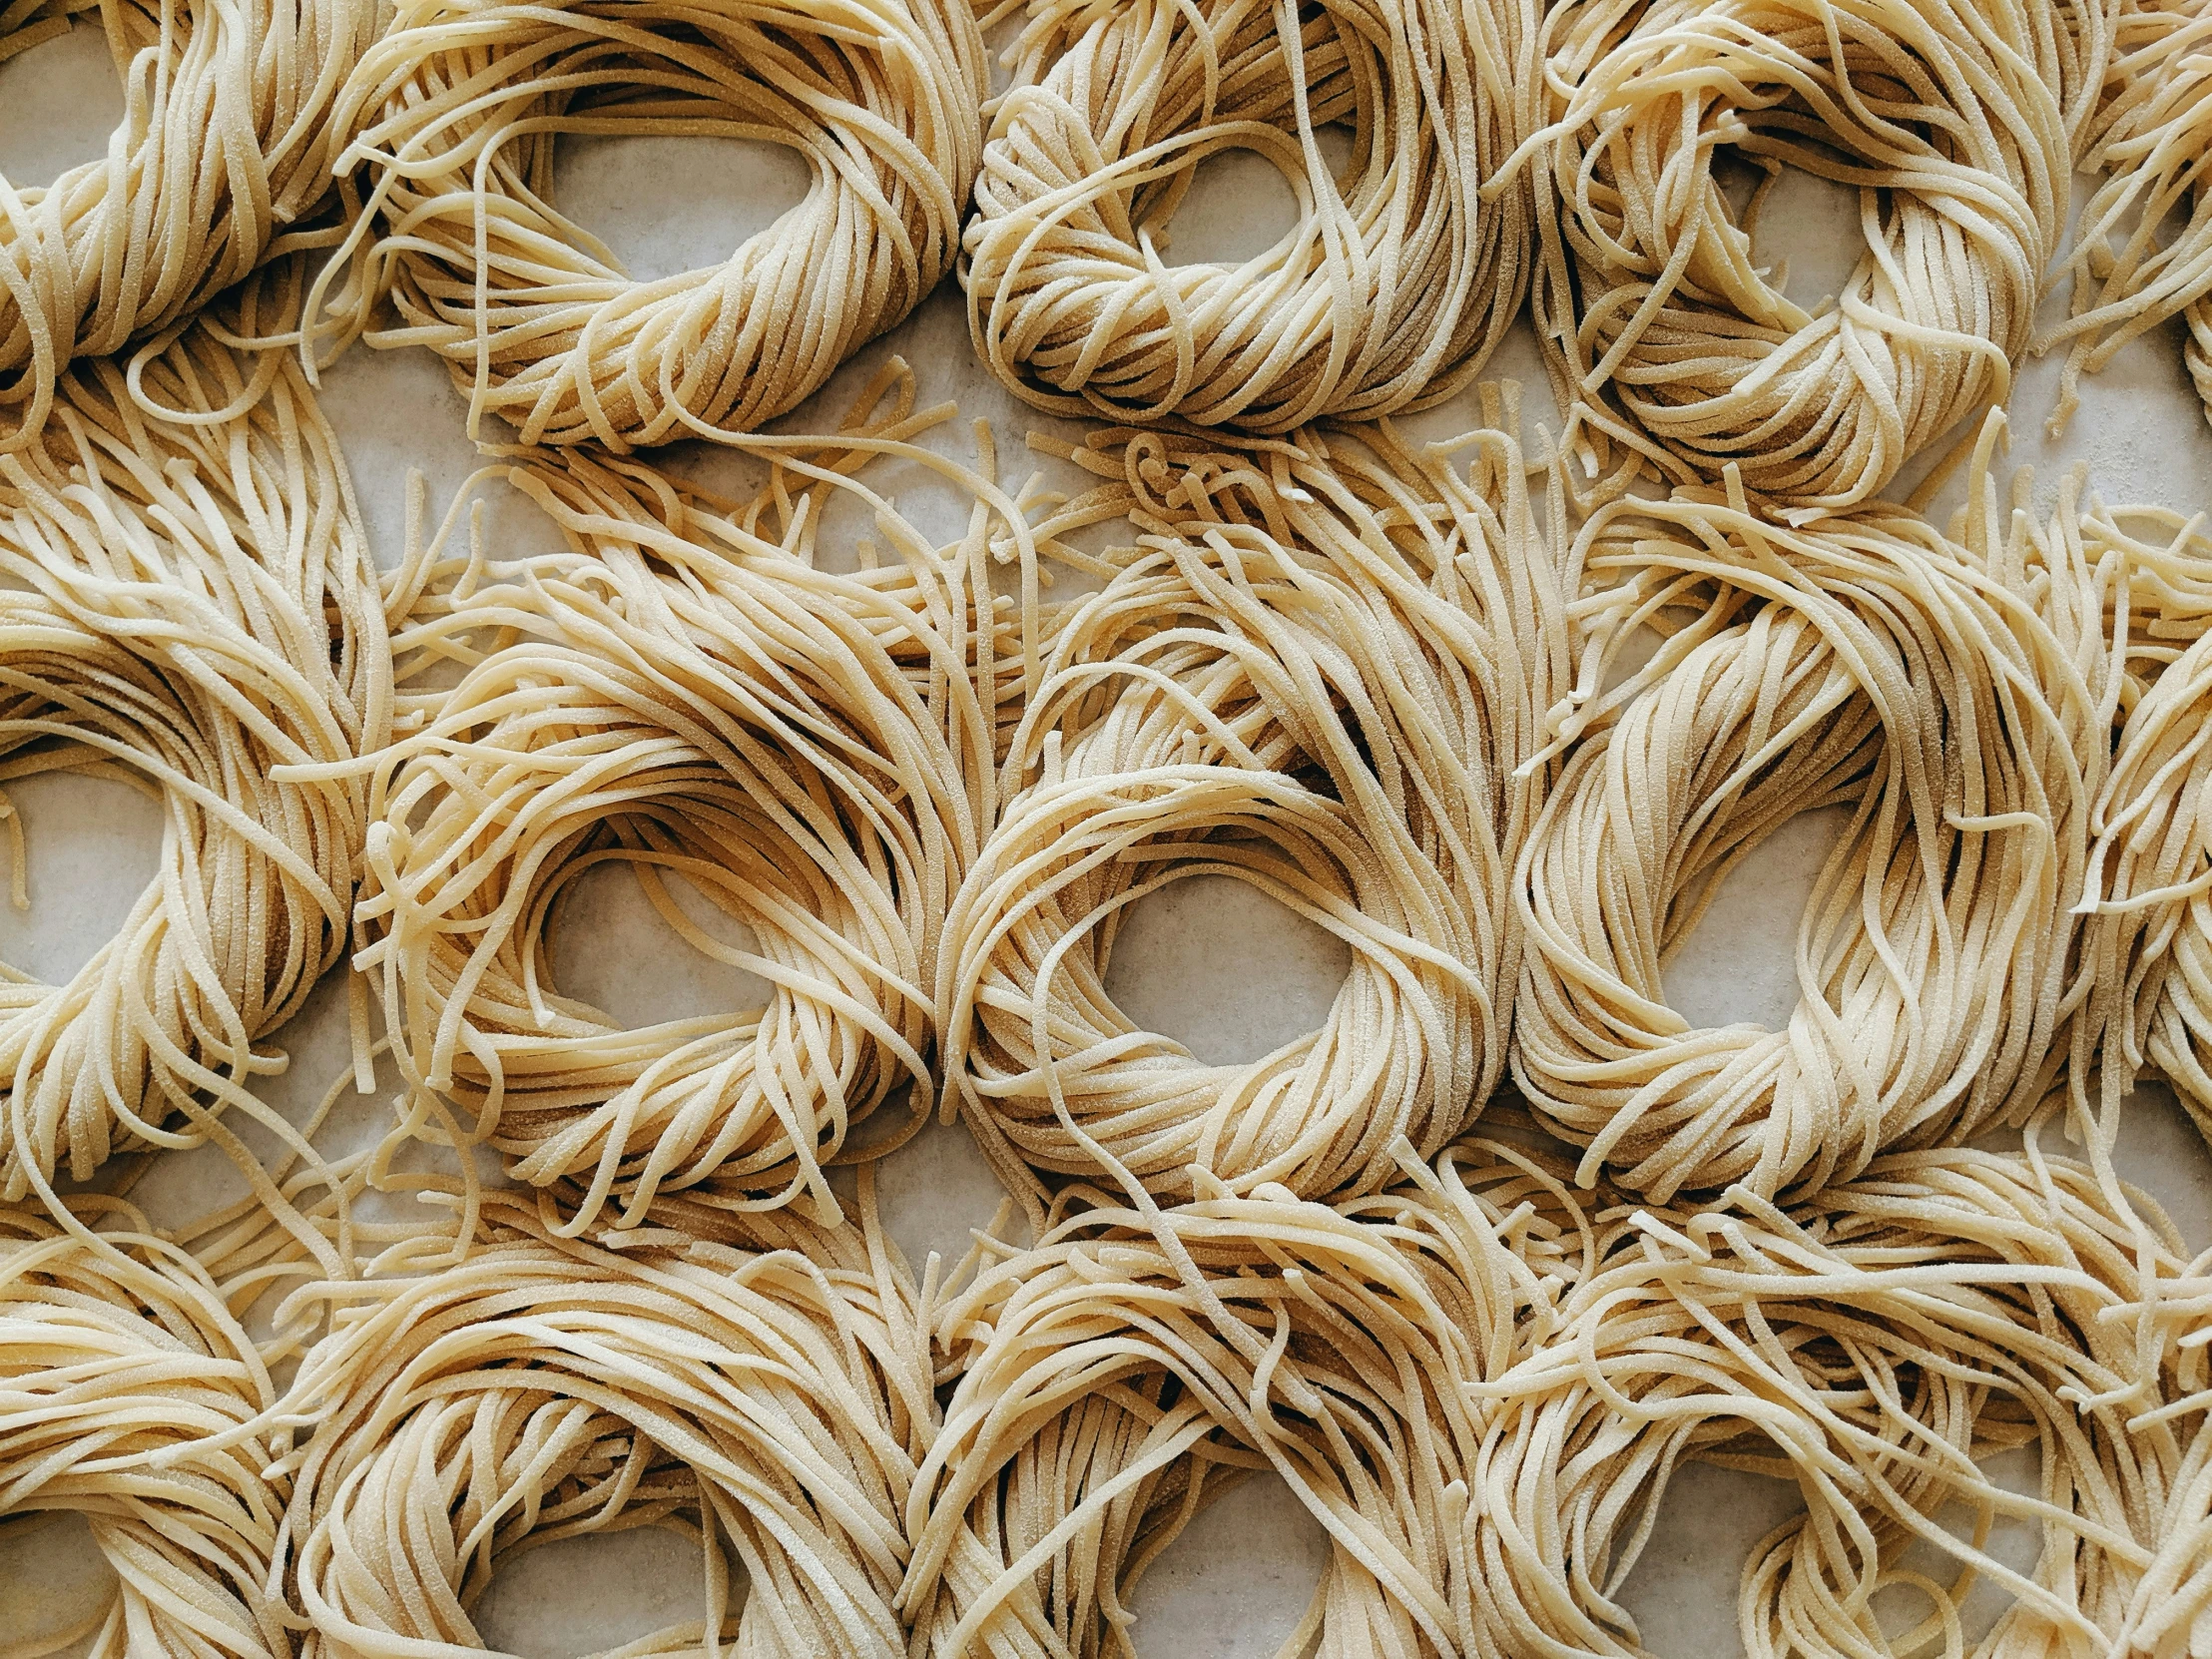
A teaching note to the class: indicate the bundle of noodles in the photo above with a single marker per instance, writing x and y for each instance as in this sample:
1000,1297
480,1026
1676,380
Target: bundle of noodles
1318,674
191,611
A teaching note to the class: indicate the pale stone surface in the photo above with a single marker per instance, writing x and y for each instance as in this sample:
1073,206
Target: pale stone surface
1226,971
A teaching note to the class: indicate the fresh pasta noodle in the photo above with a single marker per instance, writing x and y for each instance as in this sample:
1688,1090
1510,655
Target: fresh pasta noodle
1957,698
1869,1346
131,1396
2146,945
1318,675
1394,288
191,612
1957,123
765,1392
2131,270
682,695
458,109
1117,1376
226,144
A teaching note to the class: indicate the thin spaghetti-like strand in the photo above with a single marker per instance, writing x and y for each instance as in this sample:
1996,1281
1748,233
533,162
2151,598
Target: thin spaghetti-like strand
765,1389
1318,674
1388,293
458,109
191,611
226,143
1957,698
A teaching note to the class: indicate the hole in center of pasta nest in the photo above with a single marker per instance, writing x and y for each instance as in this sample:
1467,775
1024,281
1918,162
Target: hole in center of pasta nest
618,187
1738,964
53,1580
1806,235
1684,1588
1239,205
2012,1541
1226,970
62,99
596,1592
613,948
92,846
1237,1579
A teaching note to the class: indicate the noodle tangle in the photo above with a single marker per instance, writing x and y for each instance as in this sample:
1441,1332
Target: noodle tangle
1318,674
1956,122
227,141
130,1394
193,612
2147,934
1872,1346
683,696
1956,699
1390,294
764,1390
1119,1376
458,109
2131,270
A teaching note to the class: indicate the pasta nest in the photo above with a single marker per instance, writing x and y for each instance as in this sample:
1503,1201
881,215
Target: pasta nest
197,618
766,1391
228,138
1956,699
1318,684
1873,1347
130,1398
1119,1376
1955,122
1388,293
2131,267
458,110
2147,936
682,697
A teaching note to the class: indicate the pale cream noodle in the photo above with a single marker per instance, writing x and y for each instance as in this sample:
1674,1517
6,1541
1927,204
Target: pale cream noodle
1388,293
1873,1346
765,1392
2147,897
1119,1376
226,144
128,1394
1957,698
681,695
1957,122
1319,675
2133,269
458,110
191,611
